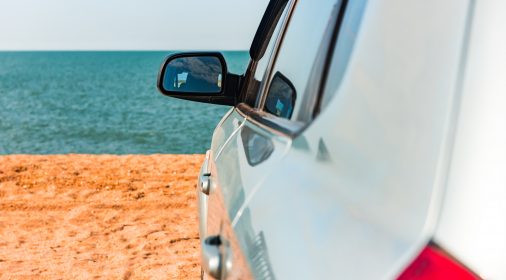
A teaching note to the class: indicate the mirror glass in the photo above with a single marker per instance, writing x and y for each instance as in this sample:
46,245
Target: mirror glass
194,74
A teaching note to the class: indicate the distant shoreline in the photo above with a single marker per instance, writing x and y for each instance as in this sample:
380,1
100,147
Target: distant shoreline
110,51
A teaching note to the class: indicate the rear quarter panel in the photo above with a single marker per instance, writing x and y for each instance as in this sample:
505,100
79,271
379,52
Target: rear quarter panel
473,221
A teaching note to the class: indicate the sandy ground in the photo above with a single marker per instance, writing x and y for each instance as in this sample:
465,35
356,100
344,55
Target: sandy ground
106,217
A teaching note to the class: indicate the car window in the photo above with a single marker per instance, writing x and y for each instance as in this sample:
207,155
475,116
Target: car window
296,56
252,91
282,96
263,63
343,49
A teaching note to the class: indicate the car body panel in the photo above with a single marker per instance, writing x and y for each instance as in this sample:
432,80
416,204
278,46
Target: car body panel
368,173
409,149
238,176
246,158
224,130
473,219
223,135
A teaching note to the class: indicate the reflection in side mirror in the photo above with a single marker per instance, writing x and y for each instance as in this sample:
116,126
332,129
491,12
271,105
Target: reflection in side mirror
201,77
193,74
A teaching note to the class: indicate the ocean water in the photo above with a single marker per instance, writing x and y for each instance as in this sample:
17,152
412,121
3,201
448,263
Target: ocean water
99,102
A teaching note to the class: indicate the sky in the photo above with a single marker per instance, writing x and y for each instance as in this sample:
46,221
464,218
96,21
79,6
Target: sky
129,24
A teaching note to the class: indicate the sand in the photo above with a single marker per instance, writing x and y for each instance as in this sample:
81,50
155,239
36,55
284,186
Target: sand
99,216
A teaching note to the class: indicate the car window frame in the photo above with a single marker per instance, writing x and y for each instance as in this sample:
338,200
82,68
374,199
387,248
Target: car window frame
337,57
278,125
250,87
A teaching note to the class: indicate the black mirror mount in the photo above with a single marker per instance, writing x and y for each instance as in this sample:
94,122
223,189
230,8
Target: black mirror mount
199,76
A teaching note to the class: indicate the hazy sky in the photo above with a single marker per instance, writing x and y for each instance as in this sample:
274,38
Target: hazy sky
128,24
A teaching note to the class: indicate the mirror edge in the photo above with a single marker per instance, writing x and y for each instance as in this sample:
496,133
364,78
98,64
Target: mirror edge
230,82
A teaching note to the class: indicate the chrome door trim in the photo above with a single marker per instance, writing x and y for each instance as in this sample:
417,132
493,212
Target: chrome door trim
272,124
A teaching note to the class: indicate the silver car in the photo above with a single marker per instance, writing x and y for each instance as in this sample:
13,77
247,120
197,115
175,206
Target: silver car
367,140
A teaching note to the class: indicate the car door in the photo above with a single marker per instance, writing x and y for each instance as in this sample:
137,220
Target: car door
357,195
226,194
283,107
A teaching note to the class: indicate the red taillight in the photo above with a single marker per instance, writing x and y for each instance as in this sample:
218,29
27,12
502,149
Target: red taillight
434,264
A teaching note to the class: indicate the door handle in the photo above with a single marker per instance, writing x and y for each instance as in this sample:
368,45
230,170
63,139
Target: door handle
205,184
216,257
205,174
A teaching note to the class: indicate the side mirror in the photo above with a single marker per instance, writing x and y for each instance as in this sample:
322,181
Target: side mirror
199,77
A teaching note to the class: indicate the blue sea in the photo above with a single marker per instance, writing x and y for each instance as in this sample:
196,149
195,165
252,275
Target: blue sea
99,103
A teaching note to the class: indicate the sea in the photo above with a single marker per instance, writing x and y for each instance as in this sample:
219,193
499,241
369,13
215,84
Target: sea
99,103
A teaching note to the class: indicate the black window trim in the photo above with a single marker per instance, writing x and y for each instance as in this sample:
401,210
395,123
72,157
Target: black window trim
330,55
272,123
266,80
257,50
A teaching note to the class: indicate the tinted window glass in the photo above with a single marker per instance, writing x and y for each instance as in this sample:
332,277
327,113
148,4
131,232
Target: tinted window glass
296,56
282,96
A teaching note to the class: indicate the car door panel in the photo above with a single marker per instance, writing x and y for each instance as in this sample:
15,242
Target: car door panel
220,225
223,133
370,169
224,130
248,157
234,155
250,154
258,147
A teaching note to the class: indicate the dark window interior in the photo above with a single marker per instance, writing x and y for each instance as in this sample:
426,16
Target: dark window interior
281,97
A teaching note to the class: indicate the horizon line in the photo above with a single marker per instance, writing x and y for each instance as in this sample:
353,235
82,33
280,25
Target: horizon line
123,50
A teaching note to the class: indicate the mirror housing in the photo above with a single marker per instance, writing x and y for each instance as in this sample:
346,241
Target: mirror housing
199,76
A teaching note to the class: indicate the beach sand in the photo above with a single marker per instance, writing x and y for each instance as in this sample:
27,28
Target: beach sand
99,216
